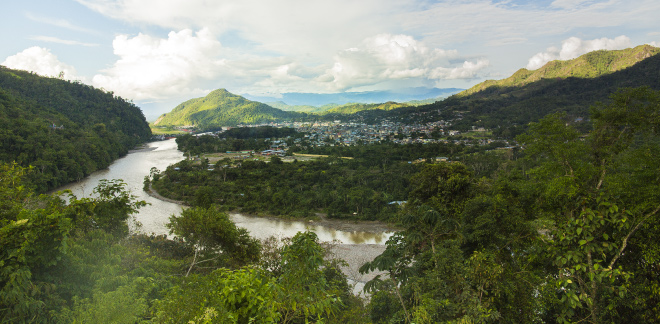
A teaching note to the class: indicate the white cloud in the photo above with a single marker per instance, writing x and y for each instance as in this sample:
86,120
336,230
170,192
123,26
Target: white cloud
574,47
395,57
319,45
654,44
466,71
155,68
50,39
186,64
306,29
569,4
41,61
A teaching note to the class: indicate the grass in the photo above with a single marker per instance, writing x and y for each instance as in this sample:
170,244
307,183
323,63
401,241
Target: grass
165,131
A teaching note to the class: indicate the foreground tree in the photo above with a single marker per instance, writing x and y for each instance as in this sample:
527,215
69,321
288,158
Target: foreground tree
216,240
599,192
40,238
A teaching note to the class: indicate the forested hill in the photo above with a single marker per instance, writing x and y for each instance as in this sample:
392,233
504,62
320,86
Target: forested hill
590,65
65,129
223,108
508,109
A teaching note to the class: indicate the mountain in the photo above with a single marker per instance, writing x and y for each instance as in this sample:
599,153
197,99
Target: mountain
221,107
591,65
569,87
348,109
323,99
281,105
65,130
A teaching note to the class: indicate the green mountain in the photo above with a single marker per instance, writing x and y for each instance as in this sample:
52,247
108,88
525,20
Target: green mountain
353,108
222,108
345,109
590,65
300,108
507,106
65,130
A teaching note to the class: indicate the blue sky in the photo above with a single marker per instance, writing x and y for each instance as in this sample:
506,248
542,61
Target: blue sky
162,52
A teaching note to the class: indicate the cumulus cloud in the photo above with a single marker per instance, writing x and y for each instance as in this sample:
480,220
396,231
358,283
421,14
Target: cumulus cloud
155,68
396,57
41,61
187,63
574,47
285,27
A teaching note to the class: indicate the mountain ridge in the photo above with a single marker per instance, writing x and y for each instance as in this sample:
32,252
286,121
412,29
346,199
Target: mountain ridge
589,65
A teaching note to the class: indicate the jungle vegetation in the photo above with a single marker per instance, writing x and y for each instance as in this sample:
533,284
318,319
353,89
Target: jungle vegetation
64,129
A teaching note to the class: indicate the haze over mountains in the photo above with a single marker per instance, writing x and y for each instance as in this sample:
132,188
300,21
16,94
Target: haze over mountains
322,99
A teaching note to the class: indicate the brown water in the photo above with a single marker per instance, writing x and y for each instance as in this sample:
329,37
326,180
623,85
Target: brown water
136,165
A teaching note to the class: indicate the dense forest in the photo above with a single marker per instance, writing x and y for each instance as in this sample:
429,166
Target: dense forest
65,130
338,187
235,139
362,182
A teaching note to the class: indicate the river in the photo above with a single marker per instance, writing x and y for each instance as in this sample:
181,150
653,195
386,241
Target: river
136,165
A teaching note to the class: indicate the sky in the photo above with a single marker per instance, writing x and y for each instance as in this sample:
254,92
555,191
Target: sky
160,53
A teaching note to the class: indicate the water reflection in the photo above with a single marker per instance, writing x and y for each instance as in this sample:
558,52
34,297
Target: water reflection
136,165
262,228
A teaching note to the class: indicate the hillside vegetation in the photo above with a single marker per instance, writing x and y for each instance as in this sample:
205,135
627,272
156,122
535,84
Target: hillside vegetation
66,130
508,105
223,108
590,65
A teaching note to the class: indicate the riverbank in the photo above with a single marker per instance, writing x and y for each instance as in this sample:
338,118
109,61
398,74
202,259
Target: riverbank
322,220
142,148
153,193
355,256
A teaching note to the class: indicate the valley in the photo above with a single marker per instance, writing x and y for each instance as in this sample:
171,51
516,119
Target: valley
532,199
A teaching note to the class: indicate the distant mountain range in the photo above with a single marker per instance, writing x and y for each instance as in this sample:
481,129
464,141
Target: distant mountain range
323,99
560,86
222,108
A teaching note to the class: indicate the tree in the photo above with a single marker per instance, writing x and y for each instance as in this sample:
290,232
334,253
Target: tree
213,235
32,240
246,295
584,187
304,292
